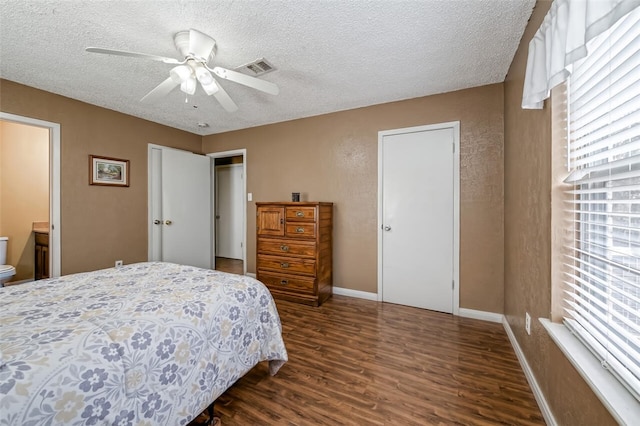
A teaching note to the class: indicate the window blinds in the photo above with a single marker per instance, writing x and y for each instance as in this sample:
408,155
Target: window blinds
602,268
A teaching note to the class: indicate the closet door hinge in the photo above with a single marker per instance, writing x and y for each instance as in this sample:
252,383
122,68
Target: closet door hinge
453,284
454,147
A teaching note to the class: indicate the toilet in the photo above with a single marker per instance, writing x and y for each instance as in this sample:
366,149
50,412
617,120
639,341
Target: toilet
6,271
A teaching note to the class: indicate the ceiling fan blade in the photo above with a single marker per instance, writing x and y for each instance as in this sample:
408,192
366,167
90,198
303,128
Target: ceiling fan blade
200,44
133,55
256,83
160,90
224,99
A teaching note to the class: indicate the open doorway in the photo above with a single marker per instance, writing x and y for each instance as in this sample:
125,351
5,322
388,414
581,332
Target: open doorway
43,217
230,211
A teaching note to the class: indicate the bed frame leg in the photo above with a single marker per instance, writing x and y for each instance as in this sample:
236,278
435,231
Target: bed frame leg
212,419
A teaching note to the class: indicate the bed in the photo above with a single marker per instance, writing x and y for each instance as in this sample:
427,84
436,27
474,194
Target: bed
144,344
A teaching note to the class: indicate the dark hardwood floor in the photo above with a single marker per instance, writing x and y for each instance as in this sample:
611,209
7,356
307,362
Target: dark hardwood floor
233,266
358,362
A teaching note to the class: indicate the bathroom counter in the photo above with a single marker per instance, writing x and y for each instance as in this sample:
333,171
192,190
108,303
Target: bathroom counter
40,227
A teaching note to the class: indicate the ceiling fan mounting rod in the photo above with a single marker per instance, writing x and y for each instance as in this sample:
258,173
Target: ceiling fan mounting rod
196,45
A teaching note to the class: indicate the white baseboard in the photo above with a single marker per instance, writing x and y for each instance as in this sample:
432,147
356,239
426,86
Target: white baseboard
533,383
340,291
480,315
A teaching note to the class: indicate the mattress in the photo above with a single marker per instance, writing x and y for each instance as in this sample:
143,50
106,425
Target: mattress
144,344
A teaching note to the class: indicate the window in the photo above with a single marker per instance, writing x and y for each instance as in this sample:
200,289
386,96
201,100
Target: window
602,265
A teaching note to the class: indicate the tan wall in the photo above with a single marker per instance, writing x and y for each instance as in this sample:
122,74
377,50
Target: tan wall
334,157
24,191
98,224
331,157
527,177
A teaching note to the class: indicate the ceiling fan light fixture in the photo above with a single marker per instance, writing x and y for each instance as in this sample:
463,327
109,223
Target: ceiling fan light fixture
180,74
210,89
203,75
188,86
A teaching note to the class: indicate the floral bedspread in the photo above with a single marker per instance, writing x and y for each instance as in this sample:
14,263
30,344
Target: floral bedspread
143,344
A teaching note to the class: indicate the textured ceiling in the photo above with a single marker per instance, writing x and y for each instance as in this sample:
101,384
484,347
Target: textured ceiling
330,55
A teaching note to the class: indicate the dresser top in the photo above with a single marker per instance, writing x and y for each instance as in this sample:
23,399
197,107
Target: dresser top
294,203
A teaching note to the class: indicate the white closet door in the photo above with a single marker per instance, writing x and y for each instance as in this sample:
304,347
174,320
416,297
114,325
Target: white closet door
155,205
418,219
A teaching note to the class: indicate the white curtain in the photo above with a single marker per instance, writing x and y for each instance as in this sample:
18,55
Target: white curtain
562,39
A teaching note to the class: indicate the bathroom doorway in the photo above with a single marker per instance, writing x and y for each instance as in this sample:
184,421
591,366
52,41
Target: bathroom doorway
30,194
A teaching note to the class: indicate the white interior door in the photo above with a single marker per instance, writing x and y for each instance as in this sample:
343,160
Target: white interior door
418,246
229,217
180,204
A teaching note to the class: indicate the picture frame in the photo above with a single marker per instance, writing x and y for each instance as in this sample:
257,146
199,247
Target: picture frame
108,171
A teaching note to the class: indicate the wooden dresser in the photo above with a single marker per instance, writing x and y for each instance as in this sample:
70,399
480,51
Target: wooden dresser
295,250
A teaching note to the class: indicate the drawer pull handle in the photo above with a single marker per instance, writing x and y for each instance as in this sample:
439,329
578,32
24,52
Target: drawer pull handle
300,214
284,248
299,230
284,282
284,265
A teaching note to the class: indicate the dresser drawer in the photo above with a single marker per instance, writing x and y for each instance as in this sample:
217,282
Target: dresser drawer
287,264
287,283
300,230
287,247
301,213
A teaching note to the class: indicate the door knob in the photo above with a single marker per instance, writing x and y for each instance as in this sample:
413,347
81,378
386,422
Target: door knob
387,228
157,222
167,222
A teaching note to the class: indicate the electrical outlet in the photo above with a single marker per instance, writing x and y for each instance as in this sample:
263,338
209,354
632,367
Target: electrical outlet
527,323
118,263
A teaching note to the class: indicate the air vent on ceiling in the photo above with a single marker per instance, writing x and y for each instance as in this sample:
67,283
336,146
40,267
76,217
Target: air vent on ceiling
256,68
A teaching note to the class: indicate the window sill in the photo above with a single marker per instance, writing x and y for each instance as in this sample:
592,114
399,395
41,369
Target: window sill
624,408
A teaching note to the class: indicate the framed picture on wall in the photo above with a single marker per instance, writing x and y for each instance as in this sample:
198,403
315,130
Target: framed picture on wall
108,171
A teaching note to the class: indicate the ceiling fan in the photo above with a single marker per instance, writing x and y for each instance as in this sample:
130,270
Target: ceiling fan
198,49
